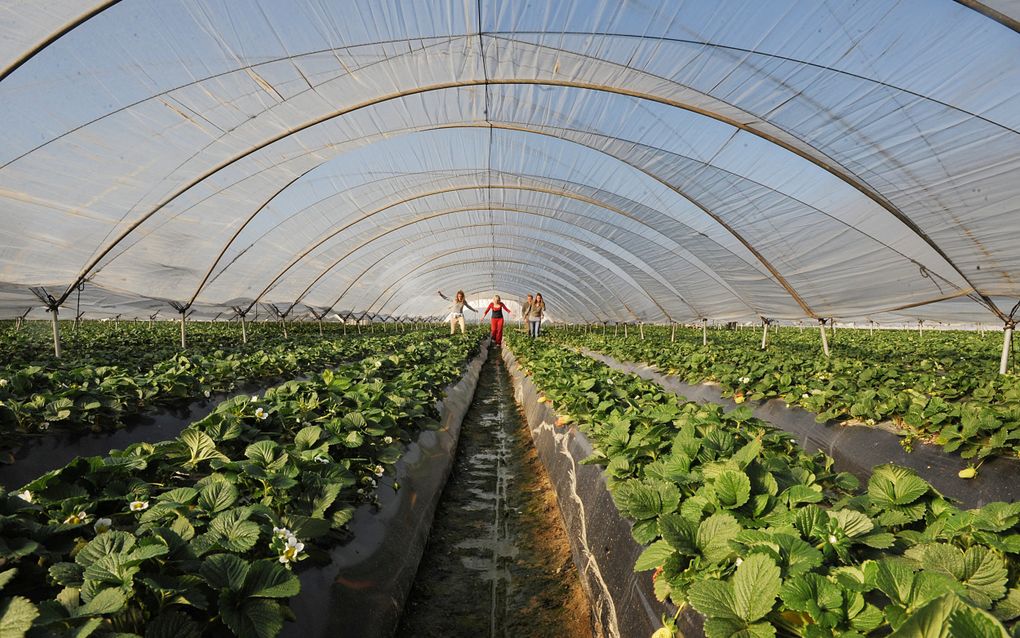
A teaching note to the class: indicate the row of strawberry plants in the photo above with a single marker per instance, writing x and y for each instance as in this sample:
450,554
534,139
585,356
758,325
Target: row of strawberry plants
138,345
941,387
198,535
764,539
98,398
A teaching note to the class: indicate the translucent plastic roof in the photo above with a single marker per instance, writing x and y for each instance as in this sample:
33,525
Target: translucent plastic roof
648,161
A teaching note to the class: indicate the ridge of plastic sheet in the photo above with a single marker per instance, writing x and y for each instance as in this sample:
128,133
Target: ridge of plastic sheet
361,592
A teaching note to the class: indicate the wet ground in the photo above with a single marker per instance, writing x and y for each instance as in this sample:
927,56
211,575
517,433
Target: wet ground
498,560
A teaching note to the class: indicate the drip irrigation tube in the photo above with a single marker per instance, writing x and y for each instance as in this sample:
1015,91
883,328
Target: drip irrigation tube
855,449
361,592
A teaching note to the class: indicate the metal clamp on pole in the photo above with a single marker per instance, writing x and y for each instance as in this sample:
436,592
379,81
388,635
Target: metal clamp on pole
1007,342
183,310
52,306
825,339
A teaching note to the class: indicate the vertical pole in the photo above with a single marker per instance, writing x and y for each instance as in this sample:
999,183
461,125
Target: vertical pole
603,330
764,333
825,341
616,330
183,341
871,326
1007,340
244,331
672,337
56,332
920,323
641,329
704,332
624,331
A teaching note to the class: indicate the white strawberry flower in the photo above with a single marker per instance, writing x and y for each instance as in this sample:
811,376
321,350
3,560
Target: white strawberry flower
745,379
207,394
254,397
320,459
379,470
282,532
832,539
3,383
805,395
138,506
291,551
261,415
25,496
103,525
387,440
77,518
739,561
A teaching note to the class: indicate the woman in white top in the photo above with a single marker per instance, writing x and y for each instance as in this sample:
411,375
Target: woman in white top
457,306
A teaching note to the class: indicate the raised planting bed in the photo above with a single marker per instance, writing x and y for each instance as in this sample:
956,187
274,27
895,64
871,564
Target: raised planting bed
765,539
941,388
362,590
623,601
854,448
199,535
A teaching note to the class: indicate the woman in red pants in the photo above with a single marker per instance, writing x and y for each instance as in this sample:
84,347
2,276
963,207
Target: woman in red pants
497,309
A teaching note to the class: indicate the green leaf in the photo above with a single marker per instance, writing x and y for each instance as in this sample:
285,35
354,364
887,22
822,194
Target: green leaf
732,489
217,496
1009,607
7,575
172,624
110,543
199,447
270,579
755,587
225,571
16,616
714,599
714,536
851,522
181,495
307,437
895,485
235,535
107,601
655,555
251,617
974,623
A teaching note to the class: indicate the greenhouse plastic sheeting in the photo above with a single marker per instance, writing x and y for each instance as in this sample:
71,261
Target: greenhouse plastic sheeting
647,161
362,591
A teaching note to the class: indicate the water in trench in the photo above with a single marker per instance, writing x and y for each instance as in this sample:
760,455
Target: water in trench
498,561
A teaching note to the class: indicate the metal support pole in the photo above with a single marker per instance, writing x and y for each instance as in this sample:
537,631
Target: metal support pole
184,343
56,332
624,331
244,331
871,326
825,341
616,330
764,333
1007,341
704,332
672,336
920,329
641,329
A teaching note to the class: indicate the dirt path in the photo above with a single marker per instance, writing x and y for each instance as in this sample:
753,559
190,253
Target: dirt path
498,562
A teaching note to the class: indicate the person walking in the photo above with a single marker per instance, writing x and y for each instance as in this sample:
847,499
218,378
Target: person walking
457,306
498,308
536,316
526,312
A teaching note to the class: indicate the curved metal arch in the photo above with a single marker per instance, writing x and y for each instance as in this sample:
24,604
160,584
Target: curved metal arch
396,286
56,35
581,287
566,194
550,254
827,164
635,261
782,281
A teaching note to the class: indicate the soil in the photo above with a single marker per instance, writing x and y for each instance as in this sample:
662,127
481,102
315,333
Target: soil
498,562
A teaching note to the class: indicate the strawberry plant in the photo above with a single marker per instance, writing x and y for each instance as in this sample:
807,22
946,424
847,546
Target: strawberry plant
765,539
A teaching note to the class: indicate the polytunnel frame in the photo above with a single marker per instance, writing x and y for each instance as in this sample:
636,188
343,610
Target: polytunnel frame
635,261
826,164
709,272
763,261
413,244
579,291
519,127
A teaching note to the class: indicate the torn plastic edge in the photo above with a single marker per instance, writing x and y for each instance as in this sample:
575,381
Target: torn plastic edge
361,592
604,551
854,448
